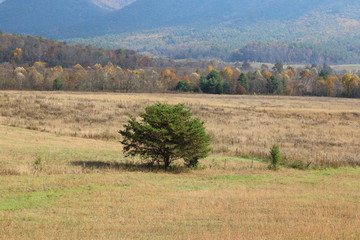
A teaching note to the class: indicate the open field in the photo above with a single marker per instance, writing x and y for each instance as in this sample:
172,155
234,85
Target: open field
108,198
321,131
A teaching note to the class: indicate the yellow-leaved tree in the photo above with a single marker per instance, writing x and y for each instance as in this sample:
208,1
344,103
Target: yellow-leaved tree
350,83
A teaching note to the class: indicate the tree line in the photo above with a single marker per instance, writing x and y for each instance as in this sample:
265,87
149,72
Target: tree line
34,63
26,50
315,80
311,80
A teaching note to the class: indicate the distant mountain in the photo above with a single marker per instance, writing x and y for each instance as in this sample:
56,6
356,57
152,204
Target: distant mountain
192,28
329,29
151,14
112,4
38,17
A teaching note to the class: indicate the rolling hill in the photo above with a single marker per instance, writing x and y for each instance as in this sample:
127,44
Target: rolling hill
194,28
152,14
327,30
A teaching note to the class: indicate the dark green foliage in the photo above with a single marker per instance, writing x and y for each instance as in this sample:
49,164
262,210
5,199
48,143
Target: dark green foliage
244,81
57,84
184,86
325,71
203,84
273,85
164,134
215,84
212,83
192,162
275,157
226,88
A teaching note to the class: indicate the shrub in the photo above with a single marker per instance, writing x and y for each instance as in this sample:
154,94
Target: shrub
275,157
166,133
38,164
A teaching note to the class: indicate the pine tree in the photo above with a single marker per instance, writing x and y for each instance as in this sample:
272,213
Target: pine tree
164,134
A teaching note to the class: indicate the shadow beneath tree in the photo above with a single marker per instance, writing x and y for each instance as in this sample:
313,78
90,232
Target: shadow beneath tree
127,166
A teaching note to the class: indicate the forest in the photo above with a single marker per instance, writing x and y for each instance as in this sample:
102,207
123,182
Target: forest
34,63
26,50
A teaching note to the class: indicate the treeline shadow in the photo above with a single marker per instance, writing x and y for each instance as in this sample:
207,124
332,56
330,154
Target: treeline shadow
127,166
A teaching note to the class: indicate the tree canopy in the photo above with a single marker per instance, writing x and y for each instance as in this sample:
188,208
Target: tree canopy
166,133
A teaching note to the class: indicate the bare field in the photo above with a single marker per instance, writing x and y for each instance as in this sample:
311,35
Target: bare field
324,131
108,198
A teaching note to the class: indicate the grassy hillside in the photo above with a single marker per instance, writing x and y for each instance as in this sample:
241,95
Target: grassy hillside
87,190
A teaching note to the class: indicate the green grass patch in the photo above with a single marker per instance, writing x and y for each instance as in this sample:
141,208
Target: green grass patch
46,198
30,200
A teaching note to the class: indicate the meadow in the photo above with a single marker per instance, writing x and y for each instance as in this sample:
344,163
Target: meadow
63,174
322,131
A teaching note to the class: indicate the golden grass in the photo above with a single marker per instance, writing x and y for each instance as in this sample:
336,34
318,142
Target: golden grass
325,131
67,201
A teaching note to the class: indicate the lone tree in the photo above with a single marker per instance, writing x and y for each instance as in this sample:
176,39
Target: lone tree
165,133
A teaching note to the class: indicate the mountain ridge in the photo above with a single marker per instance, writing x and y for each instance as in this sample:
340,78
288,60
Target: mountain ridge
196,28
40,16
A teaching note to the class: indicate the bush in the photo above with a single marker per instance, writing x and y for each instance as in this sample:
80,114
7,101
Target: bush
275,157
38,164
164,134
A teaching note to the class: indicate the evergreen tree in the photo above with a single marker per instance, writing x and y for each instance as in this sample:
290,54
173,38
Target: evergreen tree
244,81
213,83
57,85
164,134
273,85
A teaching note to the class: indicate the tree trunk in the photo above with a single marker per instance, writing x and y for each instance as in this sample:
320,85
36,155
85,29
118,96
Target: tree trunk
166,162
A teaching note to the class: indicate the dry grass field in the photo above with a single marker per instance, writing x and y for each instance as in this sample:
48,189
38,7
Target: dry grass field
321,131
109,198
63,175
